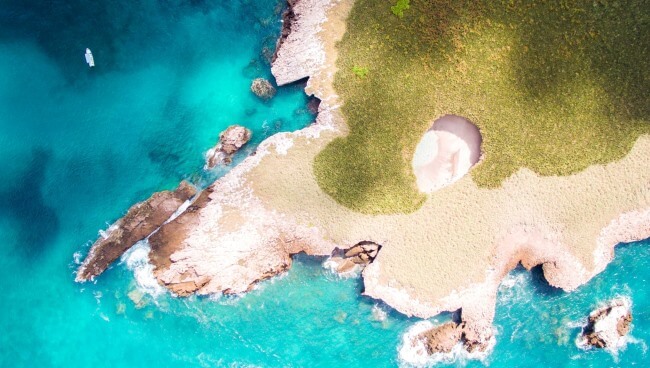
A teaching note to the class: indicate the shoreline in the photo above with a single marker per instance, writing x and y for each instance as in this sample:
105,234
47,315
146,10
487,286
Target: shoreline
464,240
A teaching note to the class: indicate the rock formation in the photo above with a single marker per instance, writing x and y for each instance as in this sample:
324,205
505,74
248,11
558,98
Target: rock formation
607,326
230,141
443,338
263,88
356,257
140,221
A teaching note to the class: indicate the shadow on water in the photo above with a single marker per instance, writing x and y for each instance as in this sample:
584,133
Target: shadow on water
37,224
541,285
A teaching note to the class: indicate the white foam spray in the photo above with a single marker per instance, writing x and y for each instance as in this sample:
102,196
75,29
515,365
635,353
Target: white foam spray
137,260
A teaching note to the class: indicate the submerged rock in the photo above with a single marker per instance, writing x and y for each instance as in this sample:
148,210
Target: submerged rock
140,221
607,326
263,88
230,141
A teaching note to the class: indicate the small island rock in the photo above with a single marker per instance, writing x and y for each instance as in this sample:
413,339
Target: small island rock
263,88
607,326
230,141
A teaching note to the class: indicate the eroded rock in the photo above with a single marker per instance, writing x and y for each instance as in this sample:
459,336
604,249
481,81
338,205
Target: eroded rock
443,338
351,259
607,326
230,141
140,221
263,88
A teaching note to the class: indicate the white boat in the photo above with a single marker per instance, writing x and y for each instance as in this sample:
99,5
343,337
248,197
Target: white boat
89,58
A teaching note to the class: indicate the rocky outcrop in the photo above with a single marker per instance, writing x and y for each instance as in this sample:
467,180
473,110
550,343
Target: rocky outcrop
443,338
230,141
607,326
262,88
299,53
288,17
140,221
354,258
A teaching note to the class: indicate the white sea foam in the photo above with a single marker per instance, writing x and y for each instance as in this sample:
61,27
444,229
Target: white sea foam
179,211
378,313
105,233
76,256
282,143
137,260
413,353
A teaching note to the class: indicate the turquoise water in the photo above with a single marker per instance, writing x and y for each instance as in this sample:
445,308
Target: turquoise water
79,146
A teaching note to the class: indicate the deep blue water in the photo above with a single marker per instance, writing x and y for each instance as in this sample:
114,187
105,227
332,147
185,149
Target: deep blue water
78,146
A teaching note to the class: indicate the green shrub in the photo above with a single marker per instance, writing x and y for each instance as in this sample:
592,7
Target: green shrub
398,9
360,71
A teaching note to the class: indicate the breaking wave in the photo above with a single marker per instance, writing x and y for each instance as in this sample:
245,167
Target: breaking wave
137,260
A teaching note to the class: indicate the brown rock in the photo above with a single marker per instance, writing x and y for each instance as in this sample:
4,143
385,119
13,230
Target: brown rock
262,88
365,258
187,288
443,338
230,141
623,325
346,266
169,238
606,338
357,249
139,222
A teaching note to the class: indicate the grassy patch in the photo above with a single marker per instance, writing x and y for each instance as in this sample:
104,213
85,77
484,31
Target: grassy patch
554,86
360,71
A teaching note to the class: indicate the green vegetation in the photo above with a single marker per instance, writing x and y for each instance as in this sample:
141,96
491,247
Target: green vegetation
360,71
554,86
398,9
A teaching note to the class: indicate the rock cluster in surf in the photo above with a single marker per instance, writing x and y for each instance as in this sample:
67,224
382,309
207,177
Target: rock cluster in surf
356,257
230,141
607,326
443,338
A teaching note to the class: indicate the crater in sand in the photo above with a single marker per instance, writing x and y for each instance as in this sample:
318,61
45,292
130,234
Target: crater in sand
446,152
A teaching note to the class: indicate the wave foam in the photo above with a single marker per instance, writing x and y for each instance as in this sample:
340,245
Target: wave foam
137,260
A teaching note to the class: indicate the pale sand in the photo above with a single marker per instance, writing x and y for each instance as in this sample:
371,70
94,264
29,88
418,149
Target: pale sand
450,254
446,153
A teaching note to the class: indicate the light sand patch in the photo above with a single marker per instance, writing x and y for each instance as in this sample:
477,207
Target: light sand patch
446,153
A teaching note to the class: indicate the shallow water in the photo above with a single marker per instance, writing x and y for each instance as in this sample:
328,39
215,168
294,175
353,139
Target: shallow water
78,146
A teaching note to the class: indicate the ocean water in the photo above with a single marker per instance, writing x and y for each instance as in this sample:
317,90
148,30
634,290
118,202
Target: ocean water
79,146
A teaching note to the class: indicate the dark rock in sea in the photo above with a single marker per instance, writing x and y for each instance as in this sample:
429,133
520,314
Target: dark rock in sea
262,88
607,325
140,221
230,141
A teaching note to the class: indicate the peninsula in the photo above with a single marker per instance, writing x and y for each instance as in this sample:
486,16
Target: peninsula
439,141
